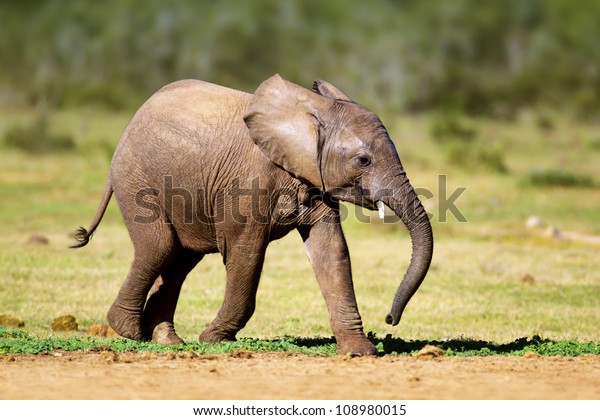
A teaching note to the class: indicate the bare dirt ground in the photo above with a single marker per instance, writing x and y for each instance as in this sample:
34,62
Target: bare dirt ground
244,375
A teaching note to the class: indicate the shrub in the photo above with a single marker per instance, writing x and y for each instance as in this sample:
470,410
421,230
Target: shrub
492,159
559,178
452,127
476,156
459,137
594,144
36,137
545,121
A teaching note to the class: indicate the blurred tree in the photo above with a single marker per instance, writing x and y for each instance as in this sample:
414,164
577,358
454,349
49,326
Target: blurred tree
476,56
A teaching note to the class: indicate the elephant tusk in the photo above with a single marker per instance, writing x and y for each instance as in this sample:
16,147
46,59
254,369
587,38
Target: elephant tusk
381,208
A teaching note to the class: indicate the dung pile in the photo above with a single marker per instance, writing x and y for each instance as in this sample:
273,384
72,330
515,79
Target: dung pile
11,321
102,330
429,352
65,323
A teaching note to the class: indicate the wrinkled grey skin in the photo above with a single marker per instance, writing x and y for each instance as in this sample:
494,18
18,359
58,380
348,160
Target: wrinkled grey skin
182,174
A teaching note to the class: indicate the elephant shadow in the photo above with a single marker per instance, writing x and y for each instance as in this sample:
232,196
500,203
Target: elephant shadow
390,345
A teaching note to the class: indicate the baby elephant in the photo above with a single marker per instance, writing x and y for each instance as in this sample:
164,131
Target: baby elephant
203,169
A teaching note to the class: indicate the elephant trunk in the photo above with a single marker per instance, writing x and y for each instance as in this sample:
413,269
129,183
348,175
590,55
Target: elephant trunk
409,209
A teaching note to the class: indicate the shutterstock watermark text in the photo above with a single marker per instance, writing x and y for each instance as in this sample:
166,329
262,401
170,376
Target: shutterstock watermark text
250,201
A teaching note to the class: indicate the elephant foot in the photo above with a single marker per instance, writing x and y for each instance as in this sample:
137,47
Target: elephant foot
210,335
163,333
356,346
125,323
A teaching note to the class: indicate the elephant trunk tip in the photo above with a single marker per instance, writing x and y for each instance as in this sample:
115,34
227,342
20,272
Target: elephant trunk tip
391,320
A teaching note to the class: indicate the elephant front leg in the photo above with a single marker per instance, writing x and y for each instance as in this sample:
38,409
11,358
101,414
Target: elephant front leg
328,253
243,265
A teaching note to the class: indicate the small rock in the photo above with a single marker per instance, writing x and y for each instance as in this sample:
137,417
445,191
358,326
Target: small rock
38,240
552,232
527,278
11,321
148,355
241,354
205,356
345,357
65,323
429,352
535,222
109,356
187,356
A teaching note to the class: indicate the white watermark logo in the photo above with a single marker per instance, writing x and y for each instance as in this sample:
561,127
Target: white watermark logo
249,202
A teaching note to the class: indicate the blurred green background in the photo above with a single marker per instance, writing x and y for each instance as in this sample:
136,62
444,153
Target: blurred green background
482,57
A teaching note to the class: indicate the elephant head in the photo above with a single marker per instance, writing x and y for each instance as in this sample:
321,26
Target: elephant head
327,140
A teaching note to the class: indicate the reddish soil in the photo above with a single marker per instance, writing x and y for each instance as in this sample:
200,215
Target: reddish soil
244,375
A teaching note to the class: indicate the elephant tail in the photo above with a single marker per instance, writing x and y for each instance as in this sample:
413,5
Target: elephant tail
83,235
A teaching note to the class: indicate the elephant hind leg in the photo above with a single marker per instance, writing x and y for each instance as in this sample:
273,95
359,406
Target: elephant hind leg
125,314
157,319
152,254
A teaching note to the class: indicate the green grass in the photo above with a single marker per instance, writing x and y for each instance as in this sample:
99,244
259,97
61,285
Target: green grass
17,341
474,288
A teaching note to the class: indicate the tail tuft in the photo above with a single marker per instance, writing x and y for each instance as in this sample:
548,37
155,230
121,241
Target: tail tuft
82,236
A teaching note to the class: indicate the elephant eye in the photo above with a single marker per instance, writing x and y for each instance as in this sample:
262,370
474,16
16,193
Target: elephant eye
364,160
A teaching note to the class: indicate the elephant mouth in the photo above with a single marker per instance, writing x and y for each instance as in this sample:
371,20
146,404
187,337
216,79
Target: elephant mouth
359,196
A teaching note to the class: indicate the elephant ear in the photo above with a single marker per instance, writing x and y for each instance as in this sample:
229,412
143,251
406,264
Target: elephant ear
329,91
282,119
